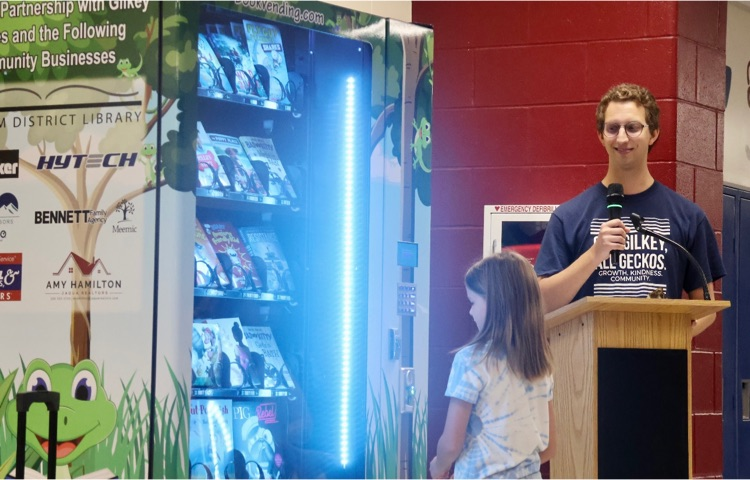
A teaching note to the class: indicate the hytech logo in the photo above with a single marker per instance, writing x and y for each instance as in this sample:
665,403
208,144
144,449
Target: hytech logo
93,160
9,165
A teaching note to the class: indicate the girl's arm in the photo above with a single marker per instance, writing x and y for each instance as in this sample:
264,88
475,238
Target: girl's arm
549,452
452,440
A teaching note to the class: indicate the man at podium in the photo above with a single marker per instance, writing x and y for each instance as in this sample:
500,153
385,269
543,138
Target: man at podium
591,246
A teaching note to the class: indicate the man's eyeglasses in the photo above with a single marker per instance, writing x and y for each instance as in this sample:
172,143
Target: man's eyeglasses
632,129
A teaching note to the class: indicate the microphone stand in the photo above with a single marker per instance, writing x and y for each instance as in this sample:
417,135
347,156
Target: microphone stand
638,220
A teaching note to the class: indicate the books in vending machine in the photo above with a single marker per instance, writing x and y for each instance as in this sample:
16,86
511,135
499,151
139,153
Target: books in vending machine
244,178
259,429
206,355
261,338
267,53
211,438
209,272
234,57
212,79
262,153
233,256
305,234
211,173
265,249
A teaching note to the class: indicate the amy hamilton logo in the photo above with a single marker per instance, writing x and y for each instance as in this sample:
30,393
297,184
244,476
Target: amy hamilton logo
10,277
83,283
9,165
75,262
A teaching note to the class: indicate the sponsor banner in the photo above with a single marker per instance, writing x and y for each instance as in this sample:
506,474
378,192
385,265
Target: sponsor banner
86,109
77,201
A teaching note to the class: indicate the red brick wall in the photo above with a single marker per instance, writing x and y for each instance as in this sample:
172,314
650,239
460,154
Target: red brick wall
516,86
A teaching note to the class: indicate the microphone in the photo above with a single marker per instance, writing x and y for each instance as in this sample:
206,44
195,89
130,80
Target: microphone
637,223
615,196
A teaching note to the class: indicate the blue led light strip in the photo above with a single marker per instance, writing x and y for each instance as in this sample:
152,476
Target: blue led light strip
347,281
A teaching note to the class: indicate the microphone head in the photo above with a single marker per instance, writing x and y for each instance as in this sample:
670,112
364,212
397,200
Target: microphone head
615,193
615,197
637,220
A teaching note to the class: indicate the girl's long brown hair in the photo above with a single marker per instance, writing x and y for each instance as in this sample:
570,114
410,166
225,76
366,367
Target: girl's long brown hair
514,327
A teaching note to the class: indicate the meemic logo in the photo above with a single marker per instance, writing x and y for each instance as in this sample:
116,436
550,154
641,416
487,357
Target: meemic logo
9,164
125,208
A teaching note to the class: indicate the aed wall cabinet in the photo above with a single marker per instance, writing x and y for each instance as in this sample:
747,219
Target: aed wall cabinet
201,209
517,227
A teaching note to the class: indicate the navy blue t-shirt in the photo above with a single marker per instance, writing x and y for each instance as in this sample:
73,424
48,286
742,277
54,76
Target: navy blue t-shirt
646,263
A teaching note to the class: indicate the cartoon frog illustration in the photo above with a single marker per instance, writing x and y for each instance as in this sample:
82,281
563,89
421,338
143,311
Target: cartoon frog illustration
86,415
126,68
147,159
422,138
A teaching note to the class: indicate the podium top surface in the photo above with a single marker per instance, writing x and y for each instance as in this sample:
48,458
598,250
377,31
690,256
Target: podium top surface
690,308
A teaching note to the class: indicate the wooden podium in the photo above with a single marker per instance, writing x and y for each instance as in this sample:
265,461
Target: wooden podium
622,386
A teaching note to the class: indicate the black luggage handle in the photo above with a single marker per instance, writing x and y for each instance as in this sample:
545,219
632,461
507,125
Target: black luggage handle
24,401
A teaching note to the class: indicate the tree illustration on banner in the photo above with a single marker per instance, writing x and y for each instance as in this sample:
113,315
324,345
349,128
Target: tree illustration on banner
125,208
153,94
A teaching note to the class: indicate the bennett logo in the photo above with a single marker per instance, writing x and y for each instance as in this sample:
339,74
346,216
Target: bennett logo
95,160
61,216
9,164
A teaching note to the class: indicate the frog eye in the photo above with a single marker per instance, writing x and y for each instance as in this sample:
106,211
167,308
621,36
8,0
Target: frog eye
39,381
84,386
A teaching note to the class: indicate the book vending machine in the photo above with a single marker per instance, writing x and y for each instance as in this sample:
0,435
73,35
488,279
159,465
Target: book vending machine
215,228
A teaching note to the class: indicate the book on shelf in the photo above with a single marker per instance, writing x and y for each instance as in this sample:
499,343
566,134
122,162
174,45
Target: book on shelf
238,32
265,249
211,73
237,164
233,55
211,172
264,157
240,366
206,354
260,338
209,272
233,256
259,437
267,50
211,439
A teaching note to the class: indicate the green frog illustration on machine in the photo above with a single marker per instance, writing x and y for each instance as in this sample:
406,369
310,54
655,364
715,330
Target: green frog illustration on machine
86,415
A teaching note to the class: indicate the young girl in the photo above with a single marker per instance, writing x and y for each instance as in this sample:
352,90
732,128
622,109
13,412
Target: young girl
500,422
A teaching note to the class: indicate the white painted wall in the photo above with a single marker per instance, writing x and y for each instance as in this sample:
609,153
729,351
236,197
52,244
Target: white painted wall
737,114
400,10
